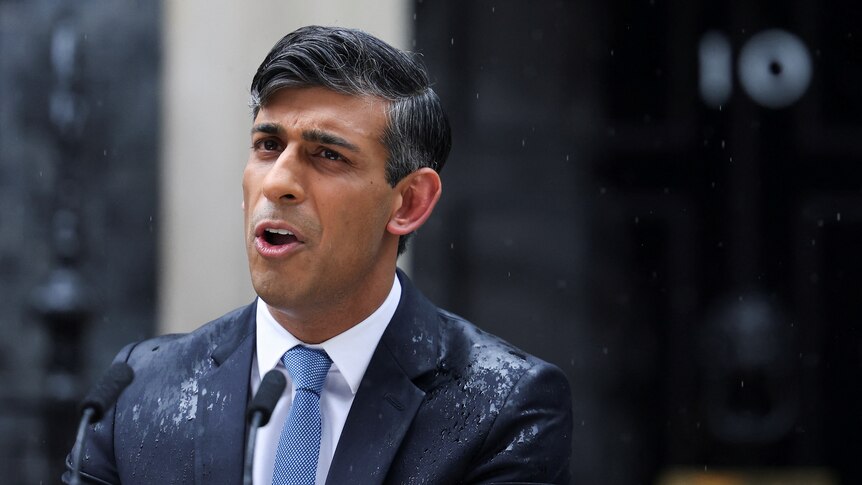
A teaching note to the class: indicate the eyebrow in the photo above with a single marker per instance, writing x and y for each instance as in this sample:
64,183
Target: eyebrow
313,135
267,128
327,138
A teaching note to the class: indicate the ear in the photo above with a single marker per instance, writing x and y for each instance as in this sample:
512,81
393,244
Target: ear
418,193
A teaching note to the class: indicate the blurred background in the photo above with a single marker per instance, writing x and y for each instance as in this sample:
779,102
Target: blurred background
664,198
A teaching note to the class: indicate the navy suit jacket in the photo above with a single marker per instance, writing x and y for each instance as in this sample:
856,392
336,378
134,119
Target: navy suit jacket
441,402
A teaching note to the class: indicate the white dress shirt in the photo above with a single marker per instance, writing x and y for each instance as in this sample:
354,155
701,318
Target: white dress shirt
350,352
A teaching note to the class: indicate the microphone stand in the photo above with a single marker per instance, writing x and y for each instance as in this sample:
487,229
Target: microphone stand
259,411
101,398
78,452
256,419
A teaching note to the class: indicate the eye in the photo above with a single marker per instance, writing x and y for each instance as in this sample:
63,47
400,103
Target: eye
268,145
330,155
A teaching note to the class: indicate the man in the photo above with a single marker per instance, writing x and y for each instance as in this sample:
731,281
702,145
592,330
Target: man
346,145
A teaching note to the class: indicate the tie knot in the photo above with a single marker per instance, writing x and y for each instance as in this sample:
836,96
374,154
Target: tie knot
307,367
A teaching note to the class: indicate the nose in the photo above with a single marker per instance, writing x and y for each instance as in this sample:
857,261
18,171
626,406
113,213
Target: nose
283,182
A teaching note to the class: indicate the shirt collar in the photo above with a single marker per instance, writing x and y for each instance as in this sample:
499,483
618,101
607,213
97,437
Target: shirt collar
350,350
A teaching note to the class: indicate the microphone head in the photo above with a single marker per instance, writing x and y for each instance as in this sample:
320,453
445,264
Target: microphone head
270,390
106,391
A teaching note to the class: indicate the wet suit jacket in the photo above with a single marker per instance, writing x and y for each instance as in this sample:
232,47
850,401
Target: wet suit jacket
441,402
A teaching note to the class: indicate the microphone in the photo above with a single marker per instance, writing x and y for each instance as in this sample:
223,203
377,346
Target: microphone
258,414
100,398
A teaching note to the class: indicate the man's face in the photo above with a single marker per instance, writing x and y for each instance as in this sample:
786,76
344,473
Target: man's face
317,203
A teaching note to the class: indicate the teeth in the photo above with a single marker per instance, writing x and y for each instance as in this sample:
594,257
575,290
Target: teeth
283,232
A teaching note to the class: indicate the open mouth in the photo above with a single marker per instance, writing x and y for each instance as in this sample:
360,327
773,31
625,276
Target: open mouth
278,237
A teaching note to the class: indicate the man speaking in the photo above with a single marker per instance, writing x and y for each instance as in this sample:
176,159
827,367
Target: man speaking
382,386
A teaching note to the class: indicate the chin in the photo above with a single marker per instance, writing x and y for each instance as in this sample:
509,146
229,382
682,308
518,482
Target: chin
270,291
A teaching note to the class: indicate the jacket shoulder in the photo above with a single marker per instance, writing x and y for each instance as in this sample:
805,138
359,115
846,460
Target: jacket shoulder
526,400
492,412
469,350
160,404
203,341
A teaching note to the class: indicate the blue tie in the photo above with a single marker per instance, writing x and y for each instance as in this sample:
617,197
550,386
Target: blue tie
299,444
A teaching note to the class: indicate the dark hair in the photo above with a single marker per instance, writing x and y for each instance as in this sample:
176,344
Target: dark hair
353,62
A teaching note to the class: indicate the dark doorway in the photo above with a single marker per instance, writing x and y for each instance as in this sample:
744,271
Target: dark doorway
687,252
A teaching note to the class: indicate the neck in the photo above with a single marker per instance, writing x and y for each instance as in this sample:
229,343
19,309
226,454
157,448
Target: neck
316,325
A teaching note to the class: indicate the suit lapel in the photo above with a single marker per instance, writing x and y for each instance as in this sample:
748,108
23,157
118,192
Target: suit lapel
388,397
381,413
222,401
